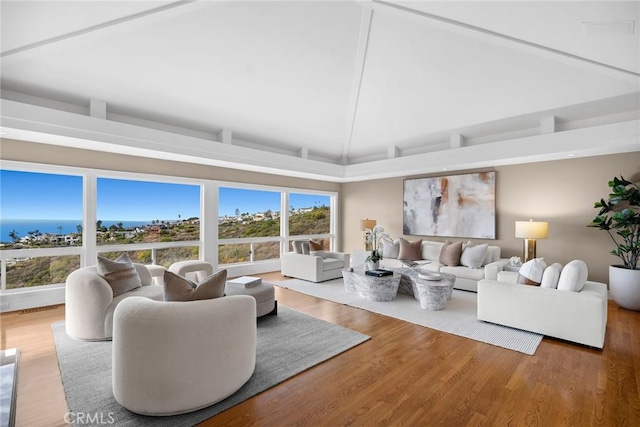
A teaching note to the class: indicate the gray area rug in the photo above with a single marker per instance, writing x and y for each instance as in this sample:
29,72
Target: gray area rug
459,316
288,344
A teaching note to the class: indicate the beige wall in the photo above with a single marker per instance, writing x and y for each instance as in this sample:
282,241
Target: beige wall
560,192
55,155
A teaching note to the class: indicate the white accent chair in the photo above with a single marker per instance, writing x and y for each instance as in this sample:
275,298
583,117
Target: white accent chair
579,317
195,270
314,267
89,302
175,357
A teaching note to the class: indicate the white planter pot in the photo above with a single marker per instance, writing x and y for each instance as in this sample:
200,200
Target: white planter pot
373,265
625,287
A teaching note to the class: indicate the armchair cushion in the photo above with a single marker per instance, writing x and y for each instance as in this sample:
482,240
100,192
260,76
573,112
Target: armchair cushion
178,288
120,274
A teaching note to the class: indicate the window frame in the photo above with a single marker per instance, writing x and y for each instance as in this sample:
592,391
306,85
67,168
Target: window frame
208,242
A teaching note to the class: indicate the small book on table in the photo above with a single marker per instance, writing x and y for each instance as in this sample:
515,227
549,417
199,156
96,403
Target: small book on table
378,272
245,281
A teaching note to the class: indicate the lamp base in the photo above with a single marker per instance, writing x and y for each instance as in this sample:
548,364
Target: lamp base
529,250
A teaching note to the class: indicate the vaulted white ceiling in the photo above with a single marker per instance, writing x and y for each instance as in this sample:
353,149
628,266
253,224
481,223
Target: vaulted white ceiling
336,90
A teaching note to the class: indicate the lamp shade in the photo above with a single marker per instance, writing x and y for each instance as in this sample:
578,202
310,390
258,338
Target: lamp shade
532,229
367,224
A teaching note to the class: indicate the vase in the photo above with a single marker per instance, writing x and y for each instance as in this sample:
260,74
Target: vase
373,265
624,284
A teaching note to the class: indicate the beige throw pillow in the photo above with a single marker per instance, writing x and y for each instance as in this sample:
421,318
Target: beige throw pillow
120,273
316,245
410,250
177,288
450,253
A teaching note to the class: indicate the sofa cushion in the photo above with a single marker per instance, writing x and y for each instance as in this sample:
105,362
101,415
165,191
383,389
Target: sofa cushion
531,272
390,248
573,276
301,247
332,264
178,288
450,254
464,272
551,276
410,250
492,255
473,255
120,274
431,250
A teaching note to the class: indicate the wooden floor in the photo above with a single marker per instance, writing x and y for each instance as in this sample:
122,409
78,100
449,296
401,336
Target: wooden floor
405,375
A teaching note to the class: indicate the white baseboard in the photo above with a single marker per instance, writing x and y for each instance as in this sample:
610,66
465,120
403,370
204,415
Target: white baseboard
23,300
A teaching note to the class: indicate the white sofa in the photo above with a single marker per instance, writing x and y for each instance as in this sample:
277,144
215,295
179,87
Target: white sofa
466,278
579,317
175,357
89,302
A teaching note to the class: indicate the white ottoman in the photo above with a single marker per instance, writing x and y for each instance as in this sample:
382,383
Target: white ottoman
263,293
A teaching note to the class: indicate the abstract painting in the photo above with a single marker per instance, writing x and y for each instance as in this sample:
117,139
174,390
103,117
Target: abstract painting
452,206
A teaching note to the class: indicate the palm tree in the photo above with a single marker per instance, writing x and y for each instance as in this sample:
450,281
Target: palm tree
79,228
14,236
60,228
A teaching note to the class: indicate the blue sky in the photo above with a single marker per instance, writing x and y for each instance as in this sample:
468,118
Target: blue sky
28,195
40,196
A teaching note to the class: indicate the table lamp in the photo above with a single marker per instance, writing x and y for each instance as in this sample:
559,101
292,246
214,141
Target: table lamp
366,225
530,231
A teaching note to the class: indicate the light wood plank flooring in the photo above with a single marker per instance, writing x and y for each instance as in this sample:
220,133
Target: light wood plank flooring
405,375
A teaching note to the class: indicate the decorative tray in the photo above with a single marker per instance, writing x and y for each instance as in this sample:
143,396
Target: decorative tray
429,275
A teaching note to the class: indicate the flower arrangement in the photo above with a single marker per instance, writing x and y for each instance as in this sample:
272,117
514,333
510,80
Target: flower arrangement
376,235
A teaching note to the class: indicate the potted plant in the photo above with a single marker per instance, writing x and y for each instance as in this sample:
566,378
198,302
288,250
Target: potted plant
620,217
373,260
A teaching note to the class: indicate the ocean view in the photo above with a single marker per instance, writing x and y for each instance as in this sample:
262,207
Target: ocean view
22,227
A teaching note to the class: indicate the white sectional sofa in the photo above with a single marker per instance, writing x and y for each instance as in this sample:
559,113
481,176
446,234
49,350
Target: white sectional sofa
466,277
579,317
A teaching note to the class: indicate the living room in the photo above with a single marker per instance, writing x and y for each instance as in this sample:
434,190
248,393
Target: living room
552,159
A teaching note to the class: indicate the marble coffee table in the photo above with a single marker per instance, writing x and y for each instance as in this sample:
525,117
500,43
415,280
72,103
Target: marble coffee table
374,288
432,294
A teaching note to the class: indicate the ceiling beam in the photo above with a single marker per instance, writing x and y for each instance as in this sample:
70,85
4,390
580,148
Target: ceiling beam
98,27
358,72
495,37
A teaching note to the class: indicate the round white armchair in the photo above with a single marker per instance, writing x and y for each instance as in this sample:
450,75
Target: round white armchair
176,357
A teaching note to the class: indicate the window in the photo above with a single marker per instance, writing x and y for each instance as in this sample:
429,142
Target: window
40,227
40,210
309,214
146,212
243,216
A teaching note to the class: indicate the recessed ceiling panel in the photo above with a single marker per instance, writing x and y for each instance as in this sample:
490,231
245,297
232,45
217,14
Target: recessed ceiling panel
280,70
421,77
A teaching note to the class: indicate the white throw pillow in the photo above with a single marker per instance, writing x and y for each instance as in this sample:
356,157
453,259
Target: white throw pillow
573,276
551,276
390,248
473,255
531,272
